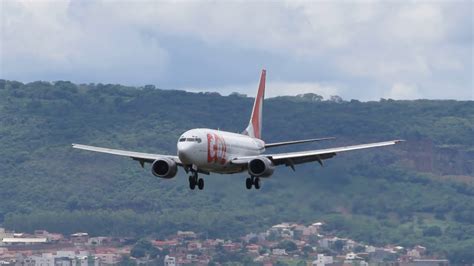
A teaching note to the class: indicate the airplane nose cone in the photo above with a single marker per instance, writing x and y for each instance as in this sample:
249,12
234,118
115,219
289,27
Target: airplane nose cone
185,153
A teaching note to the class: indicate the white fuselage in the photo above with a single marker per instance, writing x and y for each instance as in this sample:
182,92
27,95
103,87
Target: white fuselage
211,150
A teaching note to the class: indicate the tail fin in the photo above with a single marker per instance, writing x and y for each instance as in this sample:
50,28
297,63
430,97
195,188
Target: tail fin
254,129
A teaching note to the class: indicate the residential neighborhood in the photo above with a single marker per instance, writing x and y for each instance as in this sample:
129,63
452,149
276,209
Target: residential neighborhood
281,244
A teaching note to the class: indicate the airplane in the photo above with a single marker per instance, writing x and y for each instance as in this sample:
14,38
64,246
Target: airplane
205,151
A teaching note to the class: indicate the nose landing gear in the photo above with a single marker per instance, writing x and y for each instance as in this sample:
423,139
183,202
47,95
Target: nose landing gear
252,181
194,181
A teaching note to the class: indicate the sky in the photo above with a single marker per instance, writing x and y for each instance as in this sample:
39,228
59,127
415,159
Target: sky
363,50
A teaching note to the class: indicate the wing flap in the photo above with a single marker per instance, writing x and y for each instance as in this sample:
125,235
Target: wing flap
138,156
277,144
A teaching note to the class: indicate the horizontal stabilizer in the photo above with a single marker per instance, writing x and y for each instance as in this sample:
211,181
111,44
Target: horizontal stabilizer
277,144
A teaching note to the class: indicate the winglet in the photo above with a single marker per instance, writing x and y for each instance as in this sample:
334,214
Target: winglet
254,128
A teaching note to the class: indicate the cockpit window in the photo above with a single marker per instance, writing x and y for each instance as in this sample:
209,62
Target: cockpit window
182,139
193,139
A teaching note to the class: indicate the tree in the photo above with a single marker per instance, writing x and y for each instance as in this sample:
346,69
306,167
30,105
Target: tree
338,245
462,253
144,248
432,231
336,99
301,263
125,261
287,245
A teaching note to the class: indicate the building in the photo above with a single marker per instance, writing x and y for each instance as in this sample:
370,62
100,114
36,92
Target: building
186,234
279,252
413,253
323,260
5,234
108,258
59,258
80,238
22,241
254,249
170,261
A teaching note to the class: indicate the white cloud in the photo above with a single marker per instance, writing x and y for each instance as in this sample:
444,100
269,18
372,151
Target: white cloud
52,39
376,44
401,91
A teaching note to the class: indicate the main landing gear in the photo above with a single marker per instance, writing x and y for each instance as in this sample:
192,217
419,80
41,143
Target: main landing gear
255,181
194,181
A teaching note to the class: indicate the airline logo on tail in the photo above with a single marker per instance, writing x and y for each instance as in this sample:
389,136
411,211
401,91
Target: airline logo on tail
254,129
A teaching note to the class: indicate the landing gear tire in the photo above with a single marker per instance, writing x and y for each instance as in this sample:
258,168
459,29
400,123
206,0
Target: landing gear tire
248,183
200,183
192,183
256,183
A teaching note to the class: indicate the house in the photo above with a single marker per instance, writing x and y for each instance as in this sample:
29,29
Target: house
370,249
328,242
231,247
420,249
52,237
349,245
280,230
80,238
170,261
194,245
413,253
98,241
165,243
322,260
108,258
254,249
315,228
191,256
279,252
186,235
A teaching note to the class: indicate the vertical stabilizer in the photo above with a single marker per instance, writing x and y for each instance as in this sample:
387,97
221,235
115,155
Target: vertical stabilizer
254,129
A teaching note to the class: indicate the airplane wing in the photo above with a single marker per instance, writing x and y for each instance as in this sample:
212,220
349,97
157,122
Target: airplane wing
137,156
292,158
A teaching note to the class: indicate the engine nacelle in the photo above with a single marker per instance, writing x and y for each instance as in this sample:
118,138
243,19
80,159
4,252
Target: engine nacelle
164,168
261,167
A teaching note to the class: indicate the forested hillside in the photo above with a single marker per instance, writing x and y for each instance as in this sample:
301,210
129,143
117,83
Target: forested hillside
418,192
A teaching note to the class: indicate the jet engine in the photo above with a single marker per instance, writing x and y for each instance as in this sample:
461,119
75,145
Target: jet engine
164,168
260,167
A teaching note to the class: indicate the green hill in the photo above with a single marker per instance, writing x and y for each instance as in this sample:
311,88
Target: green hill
388,195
